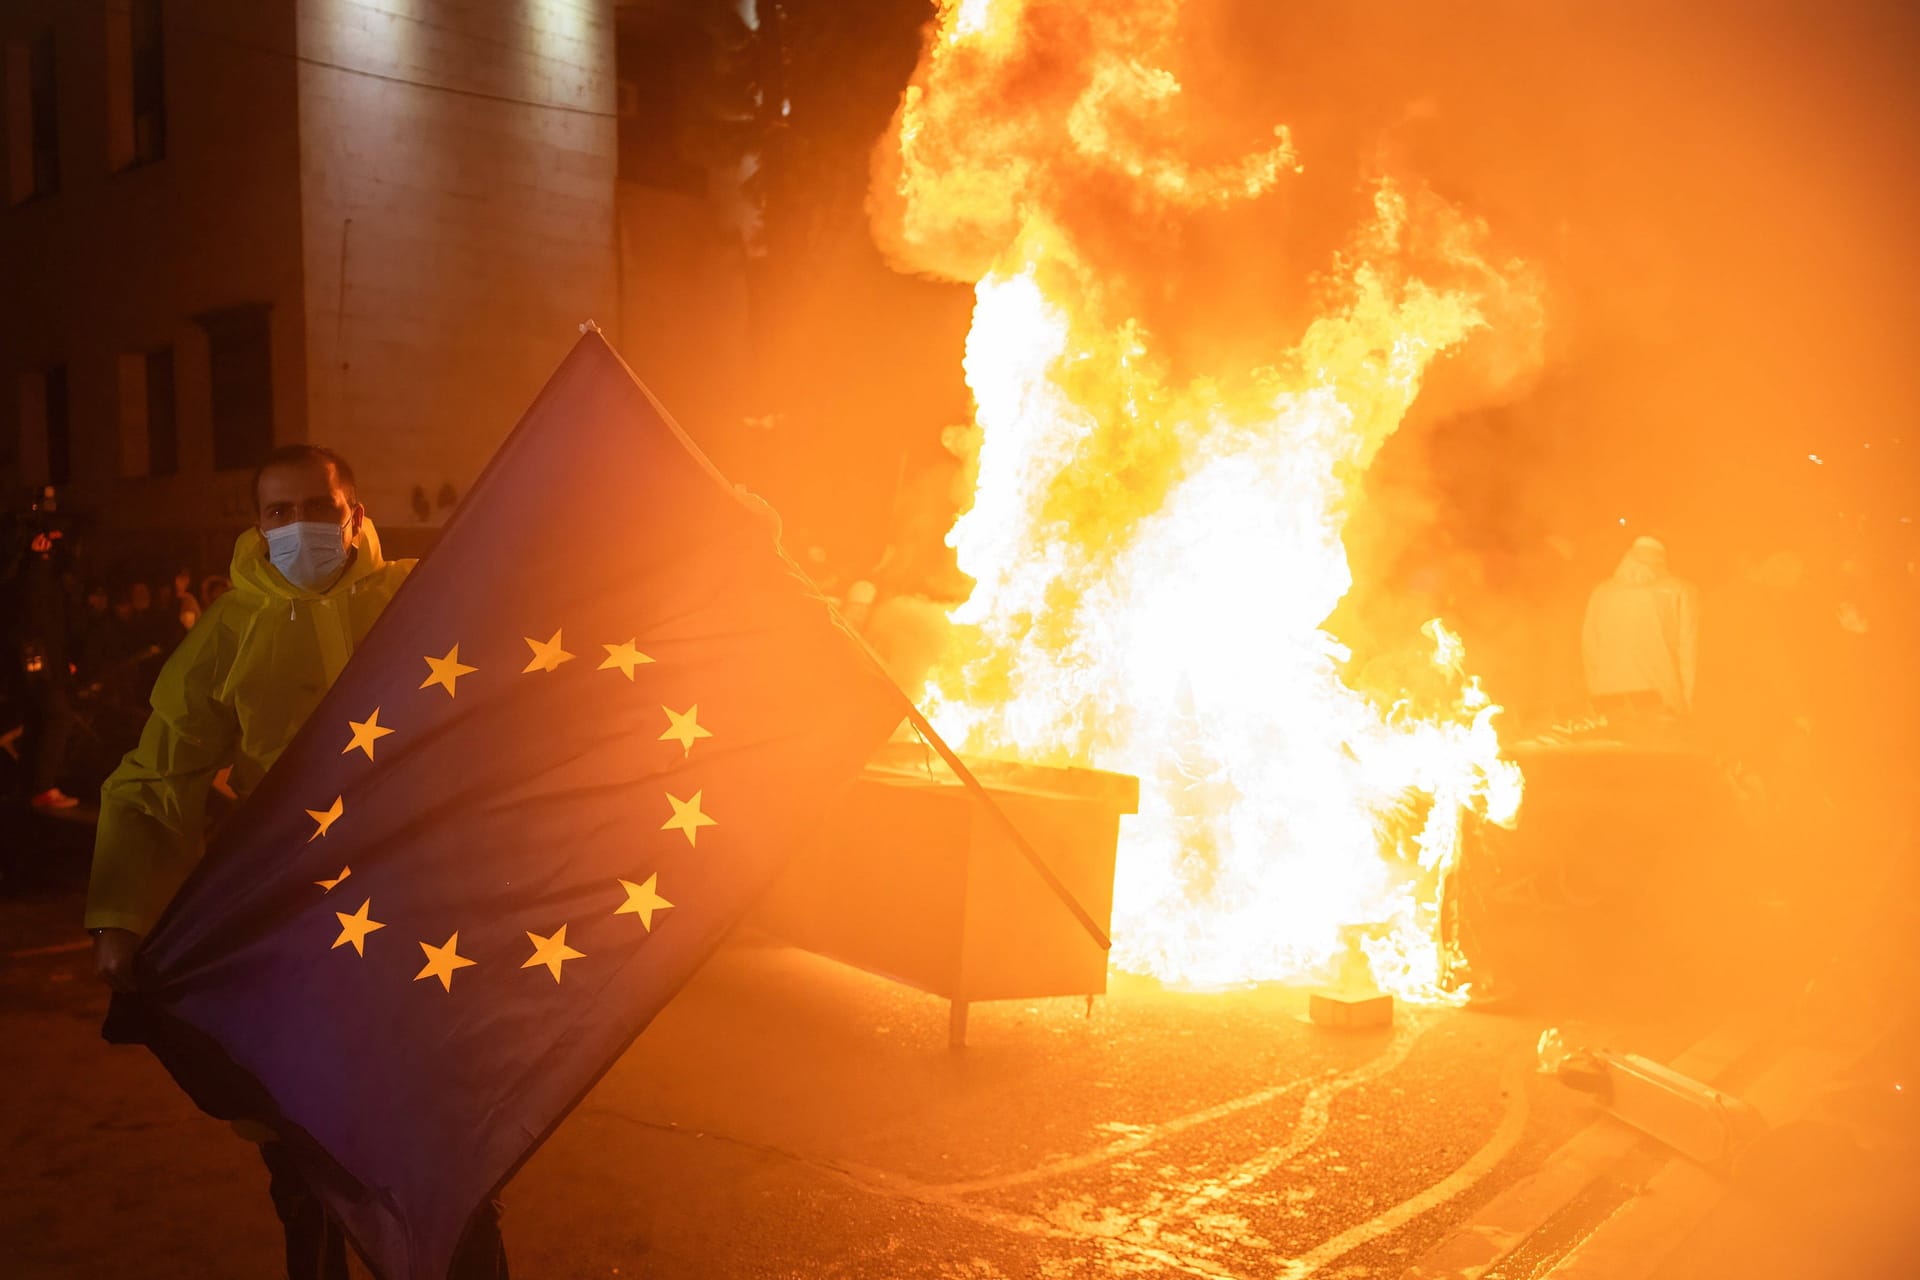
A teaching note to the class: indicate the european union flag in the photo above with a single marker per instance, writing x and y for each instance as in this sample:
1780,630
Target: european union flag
582,738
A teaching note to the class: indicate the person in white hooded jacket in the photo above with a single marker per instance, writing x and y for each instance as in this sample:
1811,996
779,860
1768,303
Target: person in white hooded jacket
1641,638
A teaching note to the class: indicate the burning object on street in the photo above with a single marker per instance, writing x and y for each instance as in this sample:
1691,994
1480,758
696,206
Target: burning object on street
912,879
1155,534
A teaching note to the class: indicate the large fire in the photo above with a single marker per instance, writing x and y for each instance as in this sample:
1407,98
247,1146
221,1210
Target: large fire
1155,556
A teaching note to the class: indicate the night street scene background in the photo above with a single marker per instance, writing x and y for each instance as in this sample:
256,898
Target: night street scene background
959,638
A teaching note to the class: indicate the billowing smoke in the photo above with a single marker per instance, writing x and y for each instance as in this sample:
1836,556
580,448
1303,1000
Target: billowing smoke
1185,355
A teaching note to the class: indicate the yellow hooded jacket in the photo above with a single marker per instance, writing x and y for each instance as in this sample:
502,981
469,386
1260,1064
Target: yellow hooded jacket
237,689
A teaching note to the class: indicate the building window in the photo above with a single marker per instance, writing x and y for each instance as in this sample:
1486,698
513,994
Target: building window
45,103
33,120
149,434
44,427
136,84
240,378
149,84
654,50
13,426
59,427
163,426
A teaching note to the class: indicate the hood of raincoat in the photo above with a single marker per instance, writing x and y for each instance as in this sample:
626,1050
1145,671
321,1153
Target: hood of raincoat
1644,563
289,644
231,697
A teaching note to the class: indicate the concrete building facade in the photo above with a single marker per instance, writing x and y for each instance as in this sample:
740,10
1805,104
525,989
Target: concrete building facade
374,224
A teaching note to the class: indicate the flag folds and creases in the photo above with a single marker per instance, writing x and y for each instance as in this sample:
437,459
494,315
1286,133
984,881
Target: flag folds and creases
584,735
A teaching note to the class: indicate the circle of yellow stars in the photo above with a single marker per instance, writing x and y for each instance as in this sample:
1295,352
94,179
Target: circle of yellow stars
550,951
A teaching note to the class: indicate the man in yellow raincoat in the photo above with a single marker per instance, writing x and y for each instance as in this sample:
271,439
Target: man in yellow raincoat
308,582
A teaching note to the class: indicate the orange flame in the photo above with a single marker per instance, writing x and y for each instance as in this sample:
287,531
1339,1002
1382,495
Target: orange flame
1155,557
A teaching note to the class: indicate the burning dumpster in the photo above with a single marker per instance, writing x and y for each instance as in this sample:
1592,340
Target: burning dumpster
1632,854
912,879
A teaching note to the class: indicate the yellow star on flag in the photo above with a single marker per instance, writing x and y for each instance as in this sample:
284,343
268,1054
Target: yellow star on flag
327,817
366,733
683,727
447,670
642,900
354,928
546,657
442,961
687,817
623,657
551,952
329,884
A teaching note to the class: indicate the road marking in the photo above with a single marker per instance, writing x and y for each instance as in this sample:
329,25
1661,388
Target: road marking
1328,1088
1133,1249
1518,1211
1637,1237
1126,1256
1315,1114
1478,1165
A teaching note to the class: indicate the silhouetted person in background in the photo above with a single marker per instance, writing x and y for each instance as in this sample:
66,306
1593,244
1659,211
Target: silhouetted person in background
136,613
44,653
184,600
98,637
1641,638
96,611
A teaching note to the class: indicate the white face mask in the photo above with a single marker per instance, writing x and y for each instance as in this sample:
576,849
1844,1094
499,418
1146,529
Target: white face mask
308,553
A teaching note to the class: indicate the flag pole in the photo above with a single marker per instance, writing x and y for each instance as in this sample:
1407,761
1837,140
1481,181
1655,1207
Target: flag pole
973,784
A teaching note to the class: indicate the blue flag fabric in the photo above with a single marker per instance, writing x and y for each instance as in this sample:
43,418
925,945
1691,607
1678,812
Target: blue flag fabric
582,738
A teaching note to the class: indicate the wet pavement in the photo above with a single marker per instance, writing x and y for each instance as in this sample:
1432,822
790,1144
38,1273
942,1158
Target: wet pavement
788,1116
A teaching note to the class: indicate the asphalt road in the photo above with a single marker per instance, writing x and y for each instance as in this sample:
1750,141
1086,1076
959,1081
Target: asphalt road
787,1116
